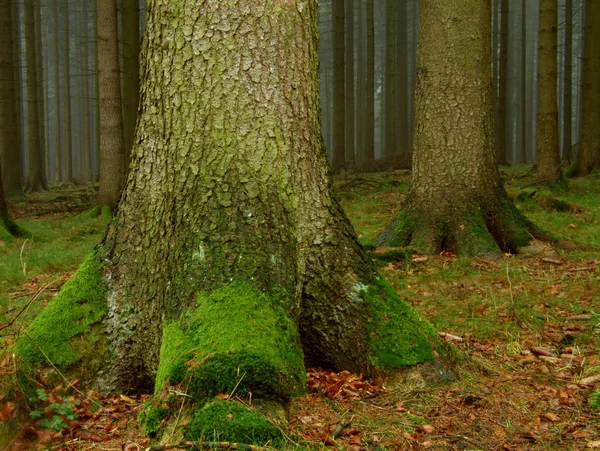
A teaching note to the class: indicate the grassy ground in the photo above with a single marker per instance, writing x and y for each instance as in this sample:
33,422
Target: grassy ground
528,326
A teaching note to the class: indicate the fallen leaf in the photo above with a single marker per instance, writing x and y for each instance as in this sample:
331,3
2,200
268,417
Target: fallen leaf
572,226
7,411
539,350
552,417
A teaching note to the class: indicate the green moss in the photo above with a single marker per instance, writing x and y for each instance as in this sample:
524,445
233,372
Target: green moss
64,331
404,228
231,422
399,335
151,417
235,331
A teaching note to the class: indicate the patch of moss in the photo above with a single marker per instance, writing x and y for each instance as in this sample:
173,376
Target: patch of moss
395,255
399,335
64,331
232,422
235,331
151,417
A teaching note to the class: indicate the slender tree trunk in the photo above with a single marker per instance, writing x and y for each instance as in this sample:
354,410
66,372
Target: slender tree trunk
85,100
130,45
339,125
500,112
402,55
391,74
112,153
40,84
66,103
524,74
361,76
58,118
568,82
548,153
6,221
457,200
36,178
10,143
589,152
349,126
370,86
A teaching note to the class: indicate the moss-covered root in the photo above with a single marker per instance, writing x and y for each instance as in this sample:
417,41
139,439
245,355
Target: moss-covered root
398,335
12,229
68,330
101,211
474,232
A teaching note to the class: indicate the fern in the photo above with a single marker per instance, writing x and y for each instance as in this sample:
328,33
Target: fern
595,400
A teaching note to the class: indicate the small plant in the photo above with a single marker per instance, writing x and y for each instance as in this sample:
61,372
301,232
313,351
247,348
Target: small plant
595,400
55,413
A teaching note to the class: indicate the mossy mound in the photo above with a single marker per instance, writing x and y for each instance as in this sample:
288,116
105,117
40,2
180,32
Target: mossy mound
224,421
238,337
152,416
399,336
67,330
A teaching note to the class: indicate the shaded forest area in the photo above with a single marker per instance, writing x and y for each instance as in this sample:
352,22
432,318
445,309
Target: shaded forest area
207,243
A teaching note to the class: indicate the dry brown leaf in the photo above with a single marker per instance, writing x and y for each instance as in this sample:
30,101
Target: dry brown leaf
552,417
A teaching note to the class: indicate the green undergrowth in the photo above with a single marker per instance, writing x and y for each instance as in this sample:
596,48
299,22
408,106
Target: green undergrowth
238,337
399,335
64,332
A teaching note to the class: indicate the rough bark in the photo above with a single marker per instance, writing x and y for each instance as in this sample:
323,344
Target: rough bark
457,201
113,168
229,185
589,152
130,74
6,221
548,152
36,178
10,144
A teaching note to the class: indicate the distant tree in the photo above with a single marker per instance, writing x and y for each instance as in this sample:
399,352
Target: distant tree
391,75
548,152
589,152
350,109
130,73
229,204
339,104
501,80
66,119
370,86
36,178
10,143
457,201
567,138
113,168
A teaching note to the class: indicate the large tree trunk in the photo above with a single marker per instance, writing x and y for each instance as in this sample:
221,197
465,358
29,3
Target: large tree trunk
36,179
228,209
548,152
10,144
457,201
589,152
113,165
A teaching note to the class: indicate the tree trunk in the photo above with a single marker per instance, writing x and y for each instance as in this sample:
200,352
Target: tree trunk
228,209
523,74
457,201
36,180
391,74
500,112
370,86
548,152
589,152
85,100
349,126
568,83
130,57
10,143
66,103
402,55
339,125
113,167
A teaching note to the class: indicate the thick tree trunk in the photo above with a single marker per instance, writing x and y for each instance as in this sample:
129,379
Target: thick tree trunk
36,180
548,152
130,56
589,152
227,208
113,167
10,144
457,201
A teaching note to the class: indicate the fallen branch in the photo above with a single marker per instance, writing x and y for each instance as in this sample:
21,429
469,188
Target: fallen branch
450,337
207,445
340,429
590,380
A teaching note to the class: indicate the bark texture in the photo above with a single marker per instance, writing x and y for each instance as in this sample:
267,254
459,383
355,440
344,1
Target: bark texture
457,201
130,32
548,152
112,151
589,153
10,145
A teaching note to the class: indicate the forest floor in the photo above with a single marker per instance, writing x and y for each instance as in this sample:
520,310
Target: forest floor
528,326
